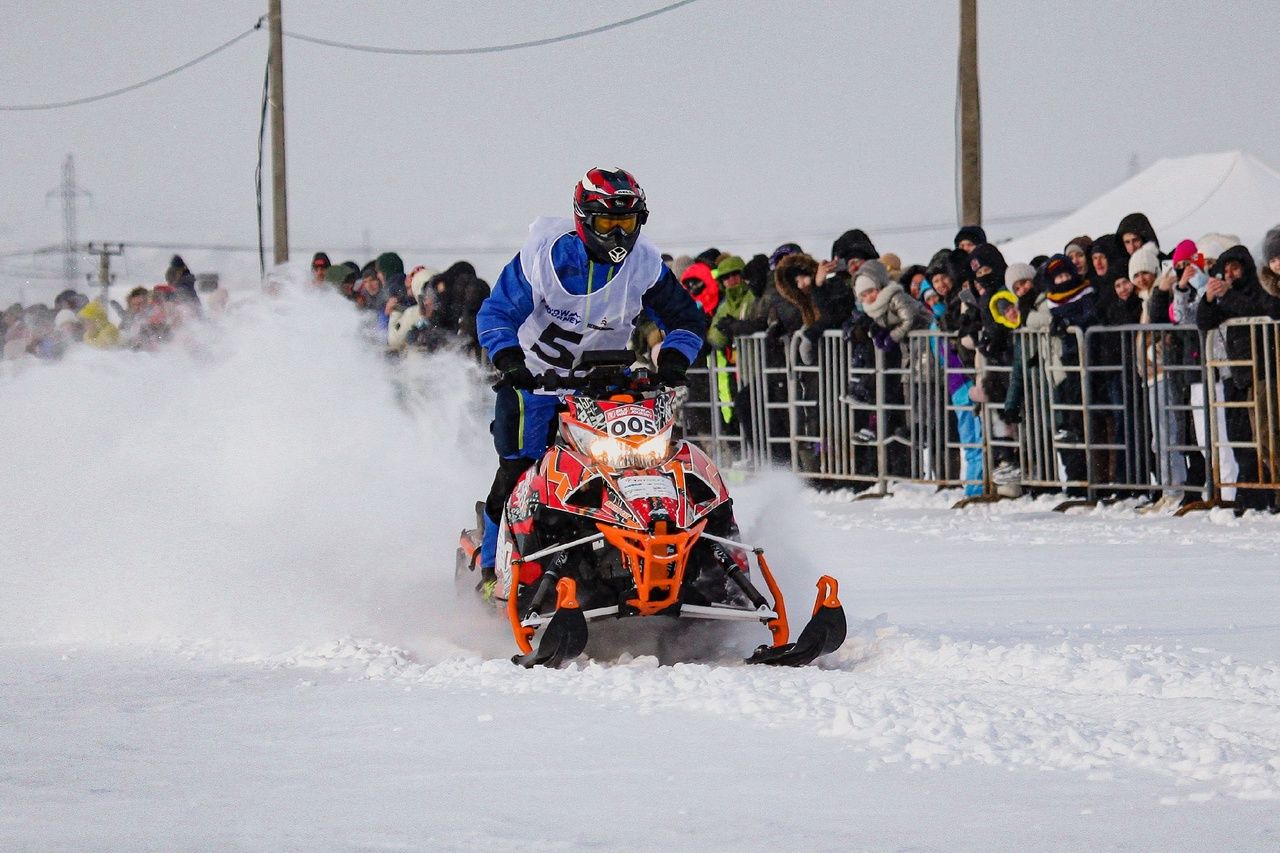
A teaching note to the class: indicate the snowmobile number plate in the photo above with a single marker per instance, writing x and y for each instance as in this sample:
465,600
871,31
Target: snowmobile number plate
647,486
631,420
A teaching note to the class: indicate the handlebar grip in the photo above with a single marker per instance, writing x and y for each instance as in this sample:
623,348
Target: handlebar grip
550,381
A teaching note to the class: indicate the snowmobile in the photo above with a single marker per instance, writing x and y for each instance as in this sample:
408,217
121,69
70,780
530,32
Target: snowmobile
617,520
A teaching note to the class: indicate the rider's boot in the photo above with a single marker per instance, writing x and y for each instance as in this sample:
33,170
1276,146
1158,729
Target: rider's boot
488,555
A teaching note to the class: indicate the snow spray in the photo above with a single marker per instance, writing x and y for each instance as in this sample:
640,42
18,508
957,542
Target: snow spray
271,480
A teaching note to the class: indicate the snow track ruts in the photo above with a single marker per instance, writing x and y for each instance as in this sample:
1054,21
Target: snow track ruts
1210,724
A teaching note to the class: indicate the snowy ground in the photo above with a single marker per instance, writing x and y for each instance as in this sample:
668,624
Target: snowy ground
228,624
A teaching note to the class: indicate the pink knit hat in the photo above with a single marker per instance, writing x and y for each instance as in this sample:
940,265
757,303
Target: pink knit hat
1184,251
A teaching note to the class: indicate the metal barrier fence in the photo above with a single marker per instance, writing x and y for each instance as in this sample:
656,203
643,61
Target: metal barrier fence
1243,399
1155,411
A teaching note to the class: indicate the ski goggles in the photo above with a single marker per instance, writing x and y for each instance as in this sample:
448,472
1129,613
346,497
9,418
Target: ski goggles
603,223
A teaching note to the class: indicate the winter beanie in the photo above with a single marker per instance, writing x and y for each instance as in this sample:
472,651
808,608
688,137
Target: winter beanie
871,276
973,233
781,252
1018,272
730,265
854,243
1144,260
1271,245
389,264
1184,251
1067,290
1084,243
339,274
708,257
892,263
940,262
418,280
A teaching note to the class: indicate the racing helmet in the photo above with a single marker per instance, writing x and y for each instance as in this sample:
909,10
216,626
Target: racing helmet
608,209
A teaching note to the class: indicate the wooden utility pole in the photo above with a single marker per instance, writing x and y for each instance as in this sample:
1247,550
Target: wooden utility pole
970,117
105,252
279,201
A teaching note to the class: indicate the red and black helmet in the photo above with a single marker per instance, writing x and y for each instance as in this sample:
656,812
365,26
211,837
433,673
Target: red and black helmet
609,208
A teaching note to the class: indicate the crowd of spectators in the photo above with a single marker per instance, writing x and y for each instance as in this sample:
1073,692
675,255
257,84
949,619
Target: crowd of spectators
148,318
421,310
418,311
971,292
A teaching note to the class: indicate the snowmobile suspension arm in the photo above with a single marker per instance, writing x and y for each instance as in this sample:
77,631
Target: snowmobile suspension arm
777,626
722,541
537,555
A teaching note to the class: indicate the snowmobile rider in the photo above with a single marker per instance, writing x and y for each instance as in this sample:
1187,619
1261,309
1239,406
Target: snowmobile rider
576,286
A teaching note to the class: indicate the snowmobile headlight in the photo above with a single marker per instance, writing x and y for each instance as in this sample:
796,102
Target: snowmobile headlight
652,451
615,453
583,439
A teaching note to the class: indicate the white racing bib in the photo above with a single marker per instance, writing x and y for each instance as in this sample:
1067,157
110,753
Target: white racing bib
563,326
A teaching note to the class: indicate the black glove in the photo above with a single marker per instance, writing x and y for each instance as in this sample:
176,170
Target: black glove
1011,416
672,367
510,363
728,327
1058,327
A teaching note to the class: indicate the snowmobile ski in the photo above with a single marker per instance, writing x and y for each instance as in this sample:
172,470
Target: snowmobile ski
823,635
564,637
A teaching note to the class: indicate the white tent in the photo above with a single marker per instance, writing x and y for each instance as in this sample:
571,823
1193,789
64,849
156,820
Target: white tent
1184,197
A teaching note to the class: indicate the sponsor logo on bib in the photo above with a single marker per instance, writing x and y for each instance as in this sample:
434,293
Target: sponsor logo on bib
564,315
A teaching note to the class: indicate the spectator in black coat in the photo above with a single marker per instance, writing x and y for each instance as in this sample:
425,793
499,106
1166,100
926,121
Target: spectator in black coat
465,293
184,284
1234,291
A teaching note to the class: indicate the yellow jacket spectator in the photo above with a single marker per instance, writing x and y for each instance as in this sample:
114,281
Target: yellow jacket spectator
99,331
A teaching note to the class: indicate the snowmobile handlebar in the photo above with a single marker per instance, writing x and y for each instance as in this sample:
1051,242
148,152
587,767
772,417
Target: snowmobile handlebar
596,381
598,374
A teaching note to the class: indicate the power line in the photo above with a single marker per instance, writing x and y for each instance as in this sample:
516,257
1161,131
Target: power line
75,102
499,48
462,251
22,253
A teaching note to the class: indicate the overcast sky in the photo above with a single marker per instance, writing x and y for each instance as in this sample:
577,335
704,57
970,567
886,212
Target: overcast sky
747,121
